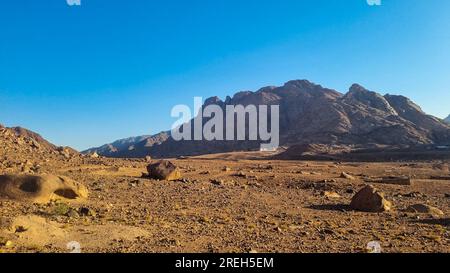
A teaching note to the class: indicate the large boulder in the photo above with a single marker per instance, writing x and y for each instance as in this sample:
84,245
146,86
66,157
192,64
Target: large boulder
164,170
41,188
369,199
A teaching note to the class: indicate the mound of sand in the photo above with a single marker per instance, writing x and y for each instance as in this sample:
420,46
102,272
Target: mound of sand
41,189
35,233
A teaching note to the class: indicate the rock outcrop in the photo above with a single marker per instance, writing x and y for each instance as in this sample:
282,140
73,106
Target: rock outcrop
41,189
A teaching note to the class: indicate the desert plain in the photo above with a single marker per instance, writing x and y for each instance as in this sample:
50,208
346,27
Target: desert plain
233,203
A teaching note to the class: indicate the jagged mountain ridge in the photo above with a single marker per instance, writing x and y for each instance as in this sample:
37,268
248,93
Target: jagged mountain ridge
130,147
119,145
310,113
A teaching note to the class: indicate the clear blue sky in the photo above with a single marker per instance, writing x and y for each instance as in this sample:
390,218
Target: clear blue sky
90,74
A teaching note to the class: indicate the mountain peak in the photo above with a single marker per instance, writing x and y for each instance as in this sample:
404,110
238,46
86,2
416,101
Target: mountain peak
359,94
447,119
213,100
300,84
357,88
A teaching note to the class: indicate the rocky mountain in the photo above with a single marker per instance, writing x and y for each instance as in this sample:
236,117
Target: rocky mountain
447,119
312,114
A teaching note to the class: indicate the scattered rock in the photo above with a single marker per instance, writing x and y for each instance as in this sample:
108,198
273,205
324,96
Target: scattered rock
135,183
185,180
85,211
414,195
442,167
73,214
164,170
9,244
350,191
426,209
369,199
66,152
148,159
217,182
254,184
394,180
445,177
347,176
331,194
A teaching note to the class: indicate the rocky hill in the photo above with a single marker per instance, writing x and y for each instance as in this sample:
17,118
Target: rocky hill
22,150
312,114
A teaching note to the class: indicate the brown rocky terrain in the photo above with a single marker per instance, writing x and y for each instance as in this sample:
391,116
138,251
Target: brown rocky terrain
356,168
26,151
234,202
311,114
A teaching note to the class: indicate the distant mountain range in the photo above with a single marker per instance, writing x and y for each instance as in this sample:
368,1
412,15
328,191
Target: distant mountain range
309,114
130,147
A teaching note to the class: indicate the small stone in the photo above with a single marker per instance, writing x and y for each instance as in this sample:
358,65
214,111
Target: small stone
331,194
9,244
217,182
347,176
84,211
73,214
350,191
254,184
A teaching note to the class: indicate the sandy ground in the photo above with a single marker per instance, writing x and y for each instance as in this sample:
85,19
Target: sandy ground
231,203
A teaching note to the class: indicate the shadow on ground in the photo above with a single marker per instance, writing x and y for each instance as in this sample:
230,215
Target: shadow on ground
338,207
